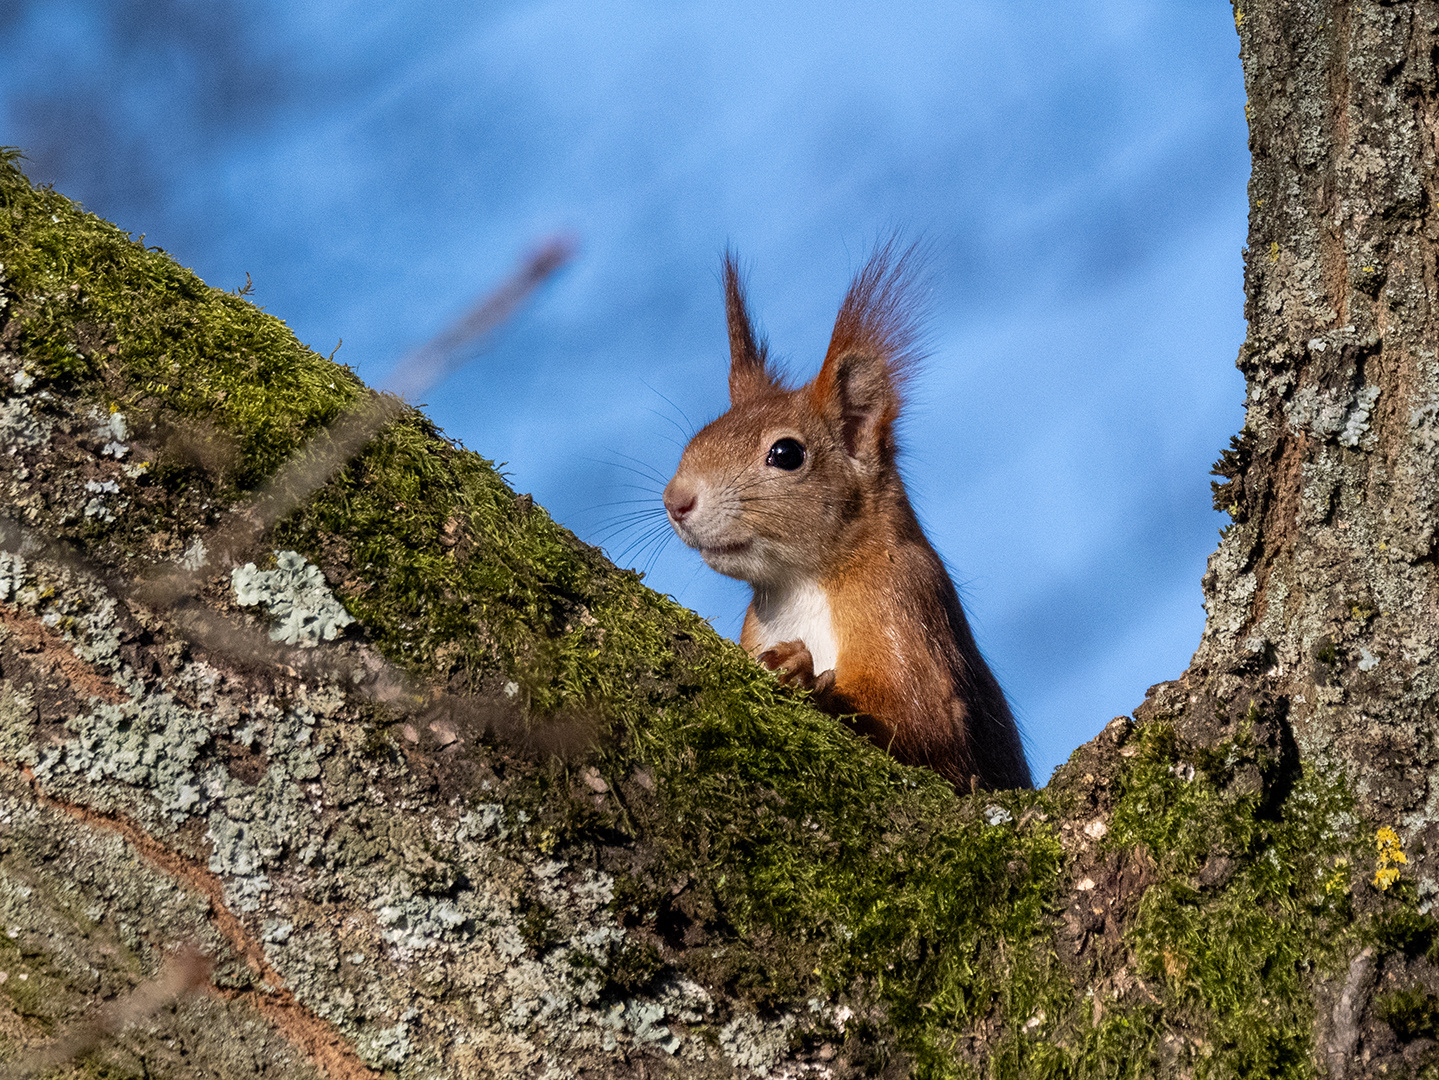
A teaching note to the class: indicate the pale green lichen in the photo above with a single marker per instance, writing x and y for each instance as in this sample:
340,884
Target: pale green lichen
754,1046
97,506
111,429
21,428
152,744
155,751
1356,420
295,593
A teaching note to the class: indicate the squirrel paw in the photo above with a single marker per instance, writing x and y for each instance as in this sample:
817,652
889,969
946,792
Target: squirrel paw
825,697
791,661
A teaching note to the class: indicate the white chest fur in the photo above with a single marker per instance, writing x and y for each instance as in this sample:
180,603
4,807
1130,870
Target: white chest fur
799,611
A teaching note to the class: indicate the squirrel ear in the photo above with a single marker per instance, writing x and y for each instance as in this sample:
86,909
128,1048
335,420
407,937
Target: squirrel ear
856,393
874,345
748,360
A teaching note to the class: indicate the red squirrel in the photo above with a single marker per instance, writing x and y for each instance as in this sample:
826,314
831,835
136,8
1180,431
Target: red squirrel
797,491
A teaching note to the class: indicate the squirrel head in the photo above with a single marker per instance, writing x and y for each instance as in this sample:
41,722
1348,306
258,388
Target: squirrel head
782,486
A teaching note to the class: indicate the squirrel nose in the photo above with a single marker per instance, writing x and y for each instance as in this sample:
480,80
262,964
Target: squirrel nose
679,500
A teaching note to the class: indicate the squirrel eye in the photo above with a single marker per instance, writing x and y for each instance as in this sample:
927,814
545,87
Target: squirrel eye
786,454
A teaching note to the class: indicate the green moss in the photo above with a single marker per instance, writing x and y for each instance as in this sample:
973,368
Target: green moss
1407,931
828,867
1235,961
632,970
538,926
93,300
778,857
28,986
1413,1013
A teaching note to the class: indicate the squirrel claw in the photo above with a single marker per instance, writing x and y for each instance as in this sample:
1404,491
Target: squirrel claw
792,662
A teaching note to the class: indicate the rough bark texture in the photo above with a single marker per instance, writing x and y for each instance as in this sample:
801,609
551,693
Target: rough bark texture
437,791
1323,596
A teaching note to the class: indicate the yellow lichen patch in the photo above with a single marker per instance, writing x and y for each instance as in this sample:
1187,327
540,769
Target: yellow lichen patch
1338,881
1391,857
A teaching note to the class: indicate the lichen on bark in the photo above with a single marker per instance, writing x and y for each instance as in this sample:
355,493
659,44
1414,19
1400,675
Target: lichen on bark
526,817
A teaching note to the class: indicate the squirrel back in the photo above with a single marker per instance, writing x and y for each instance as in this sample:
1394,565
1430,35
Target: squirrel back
797,491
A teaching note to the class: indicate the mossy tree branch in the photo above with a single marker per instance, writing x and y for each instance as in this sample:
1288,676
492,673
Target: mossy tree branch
528,815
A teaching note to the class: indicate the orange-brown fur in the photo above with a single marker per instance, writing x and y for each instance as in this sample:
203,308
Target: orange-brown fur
840,527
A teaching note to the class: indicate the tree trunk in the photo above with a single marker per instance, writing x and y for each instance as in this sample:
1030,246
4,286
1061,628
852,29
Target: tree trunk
410,782
1323,597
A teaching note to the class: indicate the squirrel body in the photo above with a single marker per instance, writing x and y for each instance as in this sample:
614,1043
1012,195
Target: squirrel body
797,491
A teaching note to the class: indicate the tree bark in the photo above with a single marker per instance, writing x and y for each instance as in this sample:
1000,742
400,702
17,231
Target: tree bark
521,816
1323,596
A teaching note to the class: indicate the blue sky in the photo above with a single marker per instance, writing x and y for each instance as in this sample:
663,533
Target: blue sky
1078,169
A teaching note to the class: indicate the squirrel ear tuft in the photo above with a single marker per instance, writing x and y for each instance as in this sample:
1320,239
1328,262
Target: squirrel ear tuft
875,345
749,374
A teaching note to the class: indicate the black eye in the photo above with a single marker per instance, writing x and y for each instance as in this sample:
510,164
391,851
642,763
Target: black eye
786,454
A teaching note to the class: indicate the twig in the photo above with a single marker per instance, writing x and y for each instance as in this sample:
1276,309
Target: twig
183,972
443,354
326,454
